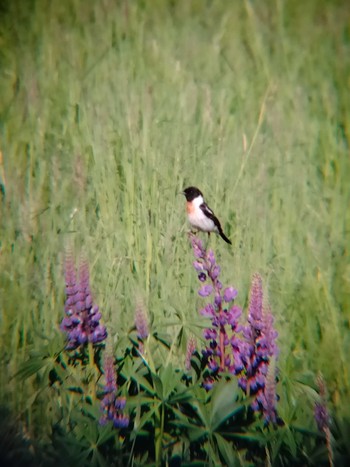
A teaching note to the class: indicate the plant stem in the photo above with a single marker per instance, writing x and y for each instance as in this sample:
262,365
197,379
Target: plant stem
222,347
159,436
92,388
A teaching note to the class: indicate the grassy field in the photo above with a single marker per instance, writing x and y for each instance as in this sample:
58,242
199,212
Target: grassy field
109,109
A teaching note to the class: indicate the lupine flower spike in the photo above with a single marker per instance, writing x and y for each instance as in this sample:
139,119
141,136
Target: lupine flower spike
82,320
191,348
223,351
141,320
112,406
259,374
322,417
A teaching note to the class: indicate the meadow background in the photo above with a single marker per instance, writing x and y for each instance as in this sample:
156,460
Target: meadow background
109,109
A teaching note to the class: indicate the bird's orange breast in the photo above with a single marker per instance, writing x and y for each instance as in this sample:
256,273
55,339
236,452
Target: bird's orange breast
190,207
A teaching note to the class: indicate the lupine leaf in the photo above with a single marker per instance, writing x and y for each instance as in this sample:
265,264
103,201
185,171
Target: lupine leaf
140,400
98,460
183,396
168,380
249,436
105,433
32,366
158,386
148,416
226,451
142,381
174,390
223,403
291,442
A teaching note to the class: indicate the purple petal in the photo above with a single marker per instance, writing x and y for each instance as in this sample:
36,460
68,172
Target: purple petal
234,314
206,290
208,383
66,323
212,364
215,272
321,416
197,246
88,301
209,334
230,294
71,289
198,266
202,277
211,258
120,403
222,319
227,360
208,311
256,298
80,306
71,300
217,301
121,421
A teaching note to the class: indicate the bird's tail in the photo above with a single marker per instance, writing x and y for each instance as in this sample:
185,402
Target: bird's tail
223,236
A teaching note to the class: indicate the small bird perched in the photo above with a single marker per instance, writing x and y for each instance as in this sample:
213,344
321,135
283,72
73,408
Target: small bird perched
200,216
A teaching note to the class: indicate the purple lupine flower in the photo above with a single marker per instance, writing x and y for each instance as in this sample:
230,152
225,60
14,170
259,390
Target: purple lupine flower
268,398
141,321
202,277
208,311
257,378
208,383
112,406
205,290
222,352
198,266
256,299
82,320
191,348
322,417
249,358
230,294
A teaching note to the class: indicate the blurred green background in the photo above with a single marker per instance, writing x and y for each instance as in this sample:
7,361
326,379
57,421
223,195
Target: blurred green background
109,109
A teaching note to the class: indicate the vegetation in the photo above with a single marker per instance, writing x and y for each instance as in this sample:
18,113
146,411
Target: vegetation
108,110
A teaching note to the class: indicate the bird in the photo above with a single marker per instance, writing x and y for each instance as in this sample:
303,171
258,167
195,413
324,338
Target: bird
200,216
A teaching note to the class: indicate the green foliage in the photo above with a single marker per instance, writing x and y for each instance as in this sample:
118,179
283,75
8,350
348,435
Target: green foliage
108,109
172,416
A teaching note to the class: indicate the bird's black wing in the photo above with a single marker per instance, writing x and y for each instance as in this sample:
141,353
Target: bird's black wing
209,213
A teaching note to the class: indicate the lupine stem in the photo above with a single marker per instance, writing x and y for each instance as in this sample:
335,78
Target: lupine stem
173,346
159,435
222,346
322,417
329,446
92,385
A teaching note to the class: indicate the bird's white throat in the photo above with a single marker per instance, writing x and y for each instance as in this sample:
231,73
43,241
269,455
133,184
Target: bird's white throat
198,201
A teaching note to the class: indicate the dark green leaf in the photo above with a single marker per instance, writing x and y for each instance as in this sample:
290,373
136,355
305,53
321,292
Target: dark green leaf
33,366
226,451
224,402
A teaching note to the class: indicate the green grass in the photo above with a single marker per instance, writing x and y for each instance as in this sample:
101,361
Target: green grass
109,109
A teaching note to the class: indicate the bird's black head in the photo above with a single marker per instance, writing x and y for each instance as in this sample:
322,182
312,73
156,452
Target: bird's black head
191,193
